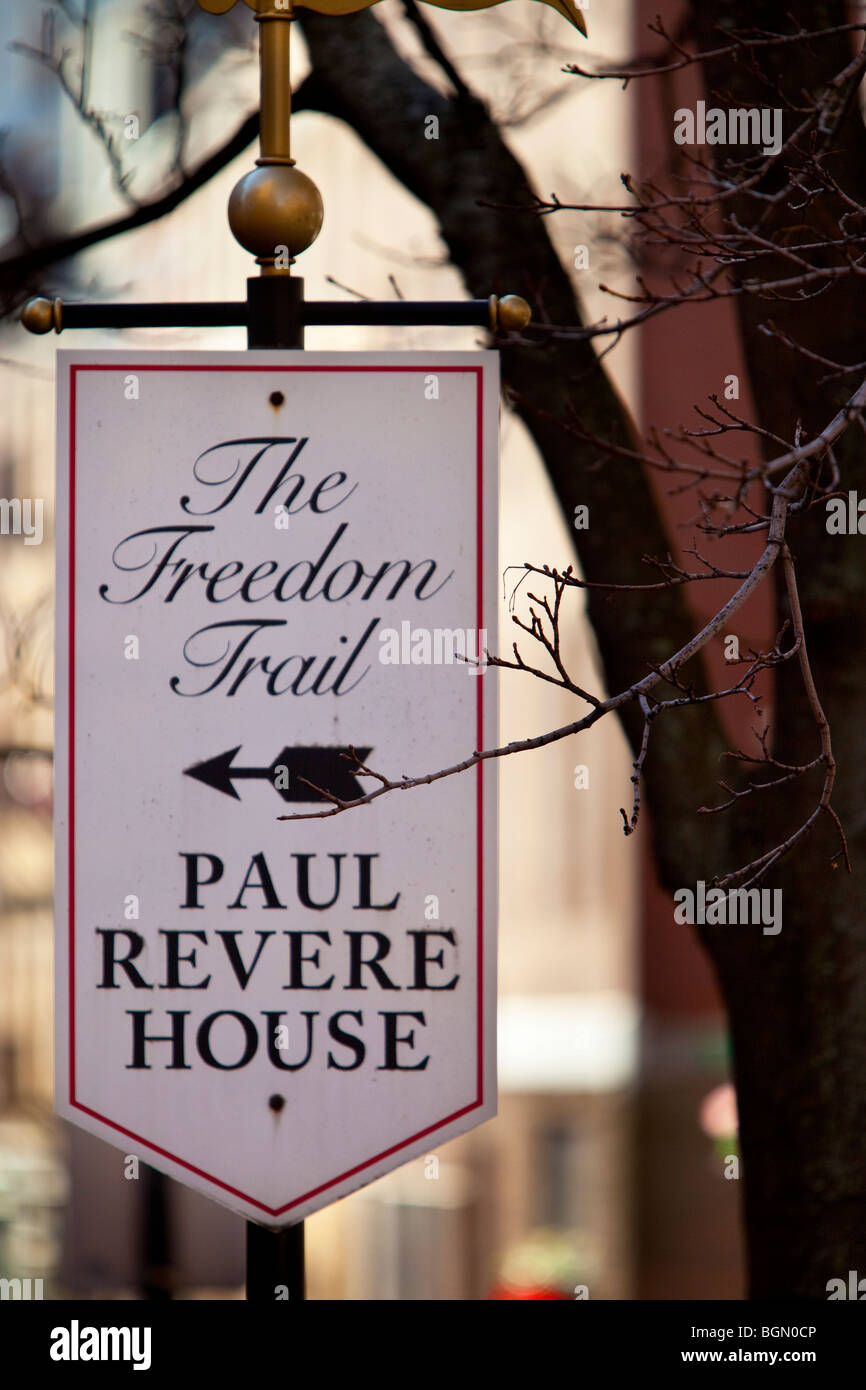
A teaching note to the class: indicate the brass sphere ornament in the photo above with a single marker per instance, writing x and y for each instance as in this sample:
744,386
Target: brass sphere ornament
275,206
513,313
41,315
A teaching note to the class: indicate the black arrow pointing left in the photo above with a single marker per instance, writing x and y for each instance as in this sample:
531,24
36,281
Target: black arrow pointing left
330,769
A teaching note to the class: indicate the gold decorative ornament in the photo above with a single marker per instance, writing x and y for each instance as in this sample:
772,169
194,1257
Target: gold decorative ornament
275,212
513,313
338,7
41,315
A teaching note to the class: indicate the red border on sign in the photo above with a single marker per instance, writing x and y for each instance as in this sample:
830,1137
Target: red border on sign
74,369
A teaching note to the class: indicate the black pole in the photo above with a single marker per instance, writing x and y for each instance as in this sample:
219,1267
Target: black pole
275,1264
275,1259
156,1256
276,301
275,312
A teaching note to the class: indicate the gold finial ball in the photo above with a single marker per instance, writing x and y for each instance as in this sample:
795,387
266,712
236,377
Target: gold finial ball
275,206
513,314
37,315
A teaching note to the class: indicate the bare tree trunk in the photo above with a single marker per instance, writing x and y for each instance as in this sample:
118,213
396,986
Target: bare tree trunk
797,1002
359,77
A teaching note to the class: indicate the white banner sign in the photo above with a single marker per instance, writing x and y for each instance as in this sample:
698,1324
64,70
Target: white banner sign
273,567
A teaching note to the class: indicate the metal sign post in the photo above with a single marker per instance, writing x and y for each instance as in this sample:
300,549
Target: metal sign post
275,1259
275,212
